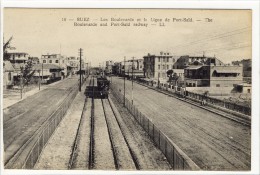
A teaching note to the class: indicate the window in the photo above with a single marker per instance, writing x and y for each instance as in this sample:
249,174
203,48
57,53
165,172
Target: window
167,59
163,66
50,61
159,75
44,61
217,85
9,76
159,59
57,61
159,67
167,66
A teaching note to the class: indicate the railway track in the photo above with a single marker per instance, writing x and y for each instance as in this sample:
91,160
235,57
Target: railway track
100,142
237,119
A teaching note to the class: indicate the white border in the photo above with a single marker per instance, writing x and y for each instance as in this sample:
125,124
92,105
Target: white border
195,4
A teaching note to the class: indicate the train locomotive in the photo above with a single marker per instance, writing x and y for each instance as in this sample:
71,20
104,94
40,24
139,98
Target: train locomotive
98,88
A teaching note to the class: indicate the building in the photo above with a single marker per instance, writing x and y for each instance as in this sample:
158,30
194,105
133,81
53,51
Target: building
48,72
156,65
18,57
109,67
73,64
116,68
186,61
58,60
247,68
139,64
213,73
8,77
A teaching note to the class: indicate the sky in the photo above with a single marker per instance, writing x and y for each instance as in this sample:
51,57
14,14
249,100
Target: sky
42,31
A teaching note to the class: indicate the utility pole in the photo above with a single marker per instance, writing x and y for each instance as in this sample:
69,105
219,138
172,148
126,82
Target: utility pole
21,85
21,82
39,71
133,81
42,71
80,54
124,81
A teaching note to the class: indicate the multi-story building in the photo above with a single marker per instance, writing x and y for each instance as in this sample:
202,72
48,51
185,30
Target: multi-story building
109,67
247,66
18,57
56,59
116,68
156,65
186,61
73,64
213,73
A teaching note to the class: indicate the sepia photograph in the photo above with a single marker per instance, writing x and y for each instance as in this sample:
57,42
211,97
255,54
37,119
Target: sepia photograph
127,89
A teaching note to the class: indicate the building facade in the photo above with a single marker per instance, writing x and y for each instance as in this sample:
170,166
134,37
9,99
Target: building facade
212,74
109,67
8,74
18,57
186,61
58,60
156,65
247,66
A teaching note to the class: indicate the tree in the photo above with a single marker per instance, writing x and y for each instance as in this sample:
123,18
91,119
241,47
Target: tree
172,76
169,73
7,46
27,72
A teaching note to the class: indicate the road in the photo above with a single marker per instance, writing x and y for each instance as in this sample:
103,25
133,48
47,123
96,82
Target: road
211,141
21,120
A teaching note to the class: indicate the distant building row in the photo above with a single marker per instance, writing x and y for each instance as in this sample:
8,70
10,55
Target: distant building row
48,66
194,71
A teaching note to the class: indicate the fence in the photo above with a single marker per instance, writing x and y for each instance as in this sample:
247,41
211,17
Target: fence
213,101
29,153
176,157
228,105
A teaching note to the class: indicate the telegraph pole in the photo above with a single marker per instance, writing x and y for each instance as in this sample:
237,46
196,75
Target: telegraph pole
80,54
21,85
124,81
133,81
42,71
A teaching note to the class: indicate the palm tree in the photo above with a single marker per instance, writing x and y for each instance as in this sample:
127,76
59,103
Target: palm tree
7,46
